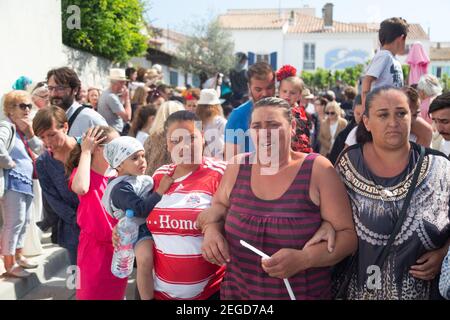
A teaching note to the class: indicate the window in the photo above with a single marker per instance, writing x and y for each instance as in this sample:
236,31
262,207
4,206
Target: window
173,78
439,72
196,81
309,56
262,58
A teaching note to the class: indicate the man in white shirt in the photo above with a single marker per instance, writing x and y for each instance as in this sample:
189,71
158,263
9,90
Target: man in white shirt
114,104
440,113
63,87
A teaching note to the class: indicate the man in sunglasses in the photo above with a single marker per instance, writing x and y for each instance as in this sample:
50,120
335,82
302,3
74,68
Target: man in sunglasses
63,87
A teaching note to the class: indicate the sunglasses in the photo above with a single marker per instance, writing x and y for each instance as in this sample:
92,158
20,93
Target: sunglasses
330,113
24,106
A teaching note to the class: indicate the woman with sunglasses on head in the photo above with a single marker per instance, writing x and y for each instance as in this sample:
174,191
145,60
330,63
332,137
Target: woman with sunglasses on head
333,124
18,149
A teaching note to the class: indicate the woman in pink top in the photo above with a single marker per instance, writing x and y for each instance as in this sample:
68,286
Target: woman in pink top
95,250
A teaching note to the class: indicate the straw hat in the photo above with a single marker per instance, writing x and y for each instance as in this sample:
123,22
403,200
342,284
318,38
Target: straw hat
117,75
306,94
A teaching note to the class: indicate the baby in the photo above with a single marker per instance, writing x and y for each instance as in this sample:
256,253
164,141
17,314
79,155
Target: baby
134,190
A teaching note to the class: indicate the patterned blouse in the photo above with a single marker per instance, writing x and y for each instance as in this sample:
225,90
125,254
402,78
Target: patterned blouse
376,203
301,140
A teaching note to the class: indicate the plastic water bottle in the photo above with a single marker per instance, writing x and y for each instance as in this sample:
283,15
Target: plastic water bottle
123,258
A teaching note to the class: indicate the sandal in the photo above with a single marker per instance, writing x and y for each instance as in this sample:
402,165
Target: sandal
17,272
24,263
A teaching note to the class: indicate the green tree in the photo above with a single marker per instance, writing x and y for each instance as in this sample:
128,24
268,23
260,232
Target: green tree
406,68
445,81
322,79
109,28
210,49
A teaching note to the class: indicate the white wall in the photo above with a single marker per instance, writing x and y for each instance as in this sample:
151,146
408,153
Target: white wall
93,71
347,48
341,47
259,42
31,40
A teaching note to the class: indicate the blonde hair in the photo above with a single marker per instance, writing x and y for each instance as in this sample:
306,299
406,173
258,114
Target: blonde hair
430,85
336,108
296,81
206,111
164,111
11,99
140,95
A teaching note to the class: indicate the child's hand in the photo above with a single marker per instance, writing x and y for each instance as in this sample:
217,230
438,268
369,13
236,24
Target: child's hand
115,238
92,139
164,185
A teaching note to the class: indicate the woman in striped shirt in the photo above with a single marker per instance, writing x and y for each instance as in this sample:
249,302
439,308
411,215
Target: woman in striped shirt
276,200
181,272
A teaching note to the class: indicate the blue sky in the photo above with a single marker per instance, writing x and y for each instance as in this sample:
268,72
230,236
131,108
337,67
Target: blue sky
433,14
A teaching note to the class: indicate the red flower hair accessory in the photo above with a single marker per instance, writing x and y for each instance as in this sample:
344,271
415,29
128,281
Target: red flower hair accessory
189,97
286,72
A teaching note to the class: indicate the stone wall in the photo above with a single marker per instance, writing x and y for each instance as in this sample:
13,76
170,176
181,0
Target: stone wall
92,70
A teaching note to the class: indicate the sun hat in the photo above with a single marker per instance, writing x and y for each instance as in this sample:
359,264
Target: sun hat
306,94
209,97
117,75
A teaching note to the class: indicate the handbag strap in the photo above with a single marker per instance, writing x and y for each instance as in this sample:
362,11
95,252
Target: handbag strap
382,258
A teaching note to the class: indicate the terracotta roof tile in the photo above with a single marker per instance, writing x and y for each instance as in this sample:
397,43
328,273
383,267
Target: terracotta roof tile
250,20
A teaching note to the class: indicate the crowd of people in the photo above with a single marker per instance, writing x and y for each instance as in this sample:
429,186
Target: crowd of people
329,185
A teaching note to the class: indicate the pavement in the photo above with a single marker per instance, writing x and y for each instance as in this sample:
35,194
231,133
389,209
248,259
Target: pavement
51,280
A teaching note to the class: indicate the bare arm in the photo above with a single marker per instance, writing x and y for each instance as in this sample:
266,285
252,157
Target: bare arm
230,151
329,193
221,200
126,114
81,181
365,88
211,220
423,131
335,208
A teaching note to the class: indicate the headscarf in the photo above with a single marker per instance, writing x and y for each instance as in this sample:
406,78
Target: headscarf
22,83
119,149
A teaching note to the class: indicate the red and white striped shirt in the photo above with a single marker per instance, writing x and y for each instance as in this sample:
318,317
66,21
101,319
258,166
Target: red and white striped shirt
180,270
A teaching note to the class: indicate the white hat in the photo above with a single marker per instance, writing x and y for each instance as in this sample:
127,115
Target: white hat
209,97
306,94
120,149
117,74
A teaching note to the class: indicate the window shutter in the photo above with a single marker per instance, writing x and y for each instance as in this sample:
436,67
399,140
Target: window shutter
251,58
273,60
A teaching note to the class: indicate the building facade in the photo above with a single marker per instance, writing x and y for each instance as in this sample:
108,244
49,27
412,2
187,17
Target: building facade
297,37
440,59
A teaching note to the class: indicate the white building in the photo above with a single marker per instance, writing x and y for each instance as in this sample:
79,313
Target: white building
298,37
440,59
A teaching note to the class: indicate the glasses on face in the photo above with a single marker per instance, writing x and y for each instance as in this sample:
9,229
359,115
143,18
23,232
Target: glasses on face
332,113
57,88
24,106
